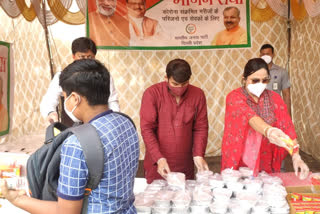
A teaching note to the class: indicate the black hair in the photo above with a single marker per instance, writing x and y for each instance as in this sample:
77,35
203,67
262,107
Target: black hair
179,69
266,46
89,78
83,44
254,65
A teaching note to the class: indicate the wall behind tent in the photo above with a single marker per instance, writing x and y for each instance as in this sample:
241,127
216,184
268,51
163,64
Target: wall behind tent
30,59
305,77
217,72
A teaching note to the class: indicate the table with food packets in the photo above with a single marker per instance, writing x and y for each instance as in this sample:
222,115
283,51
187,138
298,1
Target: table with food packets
230,192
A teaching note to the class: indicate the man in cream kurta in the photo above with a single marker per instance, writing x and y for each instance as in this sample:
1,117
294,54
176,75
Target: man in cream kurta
233,34
106,26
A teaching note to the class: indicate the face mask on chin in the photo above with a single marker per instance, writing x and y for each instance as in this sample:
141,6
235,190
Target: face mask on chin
267,58
257,89
178,91
70,113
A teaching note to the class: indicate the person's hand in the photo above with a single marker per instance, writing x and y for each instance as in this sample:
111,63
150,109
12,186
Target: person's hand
11,195
299,163
200,163
274,135
52,117
163,167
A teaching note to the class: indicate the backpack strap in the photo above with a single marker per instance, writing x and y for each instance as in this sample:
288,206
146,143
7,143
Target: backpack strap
94,156
50,131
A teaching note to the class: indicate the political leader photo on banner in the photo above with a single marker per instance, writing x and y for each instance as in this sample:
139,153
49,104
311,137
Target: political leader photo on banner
169,24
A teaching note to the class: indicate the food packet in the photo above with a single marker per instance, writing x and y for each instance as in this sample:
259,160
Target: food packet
293,147
15,183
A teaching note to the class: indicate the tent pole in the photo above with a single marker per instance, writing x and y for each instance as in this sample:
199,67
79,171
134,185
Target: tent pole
289,35
46,33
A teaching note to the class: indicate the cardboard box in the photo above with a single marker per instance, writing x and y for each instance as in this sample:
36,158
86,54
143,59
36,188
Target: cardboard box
18,159
300,189
289,199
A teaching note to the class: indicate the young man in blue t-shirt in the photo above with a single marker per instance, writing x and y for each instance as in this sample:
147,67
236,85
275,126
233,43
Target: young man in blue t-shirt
85,85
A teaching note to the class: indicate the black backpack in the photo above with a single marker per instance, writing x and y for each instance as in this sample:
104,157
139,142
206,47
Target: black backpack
43,165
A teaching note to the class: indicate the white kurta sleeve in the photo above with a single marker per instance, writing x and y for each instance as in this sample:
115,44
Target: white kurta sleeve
50,100
113,101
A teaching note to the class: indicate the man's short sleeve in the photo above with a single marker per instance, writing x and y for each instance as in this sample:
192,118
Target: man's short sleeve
285,81
73,170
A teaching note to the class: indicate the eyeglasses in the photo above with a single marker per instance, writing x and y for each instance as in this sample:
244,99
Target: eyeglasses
265,81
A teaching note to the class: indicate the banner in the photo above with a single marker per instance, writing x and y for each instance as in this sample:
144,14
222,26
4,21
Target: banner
5,88
169,24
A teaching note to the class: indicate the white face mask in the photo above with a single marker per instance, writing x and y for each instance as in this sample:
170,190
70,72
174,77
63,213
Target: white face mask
267,58
70,113
257,89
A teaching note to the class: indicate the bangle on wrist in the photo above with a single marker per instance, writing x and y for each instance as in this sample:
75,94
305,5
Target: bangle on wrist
265,131
295,150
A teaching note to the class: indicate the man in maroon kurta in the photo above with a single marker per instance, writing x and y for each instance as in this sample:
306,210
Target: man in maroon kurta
174,124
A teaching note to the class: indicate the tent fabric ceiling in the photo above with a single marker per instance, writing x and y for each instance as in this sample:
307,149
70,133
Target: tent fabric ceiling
11,8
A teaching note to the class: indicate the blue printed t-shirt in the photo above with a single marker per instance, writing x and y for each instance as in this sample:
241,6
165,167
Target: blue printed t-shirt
121,154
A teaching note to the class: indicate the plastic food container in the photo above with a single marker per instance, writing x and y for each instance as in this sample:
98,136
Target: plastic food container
143,209
270,179
203,176
219,208
246,172
16,183
190,185
161,210
261,208
181,199
270,190
176,180
159,182
163,198
197,209
247,200
202,195
216,182
143,203
236,208
253,185
230,175
235,186
180,209
222,194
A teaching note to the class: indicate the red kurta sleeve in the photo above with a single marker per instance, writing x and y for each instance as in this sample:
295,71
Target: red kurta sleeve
149,124
237,116
200,128
284,123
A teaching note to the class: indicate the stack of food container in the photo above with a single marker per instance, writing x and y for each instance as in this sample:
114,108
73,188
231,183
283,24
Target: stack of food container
231,192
